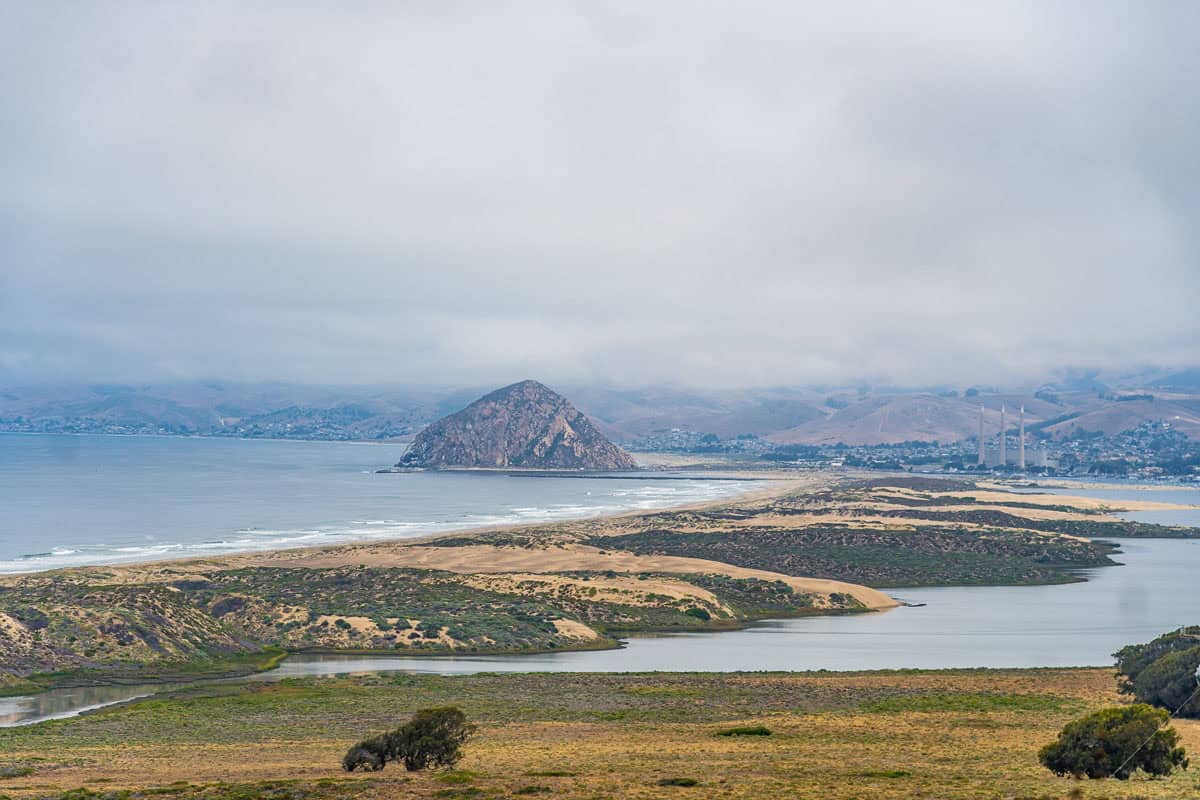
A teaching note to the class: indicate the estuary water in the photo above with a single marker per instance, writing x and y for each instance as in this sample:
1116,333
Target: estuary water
1115,493
75,500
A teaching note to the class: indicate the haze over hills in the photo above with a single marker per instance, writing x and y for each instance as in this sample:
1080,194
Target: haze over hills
627,414
1077,402
523,425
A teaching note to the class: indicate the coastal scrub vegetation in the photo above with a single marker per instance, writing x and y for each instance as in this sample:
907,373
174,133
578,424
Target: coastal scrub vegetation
923,556
225,618
1115,743
1164,672
432,738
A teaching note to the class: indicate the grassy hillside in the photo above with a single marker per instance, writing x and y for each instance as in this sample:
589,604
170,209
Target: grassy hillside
953,735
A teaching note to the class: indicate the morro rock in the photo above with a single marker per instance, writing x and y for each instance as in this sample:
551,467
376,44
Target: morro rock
526,425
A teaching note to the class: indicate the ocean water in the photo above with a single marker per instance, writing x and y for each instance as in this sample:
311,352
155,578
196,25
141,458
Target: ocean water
74,500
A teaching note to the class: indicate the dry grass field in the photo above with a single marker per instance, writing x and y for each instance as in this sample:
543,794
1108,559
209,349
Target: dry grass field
898,735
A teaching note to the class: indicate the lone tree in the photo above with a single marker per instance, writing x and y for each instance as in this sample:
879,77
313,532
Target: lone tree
432,738
1163,672
1115,743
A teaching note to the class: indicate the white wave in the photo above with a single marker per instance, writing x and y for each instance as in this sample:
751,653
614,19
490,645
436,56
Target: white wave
255,539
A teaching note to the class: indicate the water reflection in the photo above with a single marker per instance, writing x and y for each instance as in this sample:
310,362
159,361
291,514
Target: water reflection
61,703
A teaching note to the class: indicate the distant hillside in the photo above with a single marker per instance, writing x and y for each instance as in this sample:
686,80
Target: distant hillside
796,415
1187,380
889,419
1117,416
523,425
268,411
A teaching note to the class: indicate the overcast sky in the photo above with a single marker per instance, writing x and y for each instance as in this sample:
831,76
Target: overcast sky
722,194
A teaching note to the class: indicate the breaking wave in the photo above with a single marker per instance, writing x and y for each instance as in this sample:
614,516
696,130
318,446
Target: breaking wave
596,501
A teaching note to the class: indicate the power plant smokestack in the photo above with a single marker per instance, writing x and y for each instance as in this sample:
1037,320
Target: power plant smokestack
1003,437
981,436
1021,443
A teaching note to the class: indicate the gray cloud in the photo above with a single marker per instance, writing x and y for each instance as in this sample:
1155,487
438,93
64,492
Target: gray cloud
720,194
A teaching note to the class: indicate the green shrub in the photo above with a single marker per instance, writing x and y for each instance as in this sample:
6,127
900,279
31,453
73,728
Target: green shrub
1163,672
746,730
699,613
432,738
1134,658
678,782
1106,744
369,755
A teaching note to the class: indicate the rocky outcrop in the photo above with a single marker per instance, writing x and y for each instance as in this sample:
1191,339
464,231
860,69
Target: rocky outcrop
526,425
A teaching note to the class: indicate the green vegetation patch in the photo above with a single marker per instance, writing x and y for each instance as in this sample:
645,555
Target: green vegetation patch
924,556
885,773
966,702
1090,528
1163,672
745,730
457,776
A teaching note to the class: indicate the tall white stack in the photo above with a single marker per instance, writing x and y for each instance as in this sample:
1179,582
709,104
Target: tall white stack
1003,437
1021,443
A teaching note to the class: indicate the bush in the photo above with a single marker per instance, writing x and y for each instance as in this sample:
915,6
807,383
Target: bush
1105,744
1163,672
432,738
369,755
678,782
1170,683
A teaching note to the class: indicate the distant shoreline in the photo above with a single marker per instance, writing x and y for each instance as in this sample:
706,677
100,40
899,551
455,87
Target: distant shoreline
615,475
